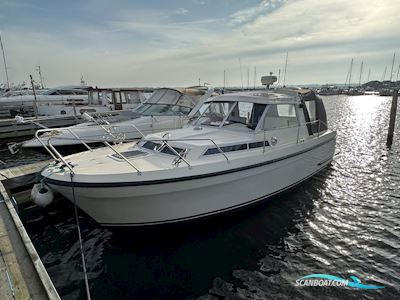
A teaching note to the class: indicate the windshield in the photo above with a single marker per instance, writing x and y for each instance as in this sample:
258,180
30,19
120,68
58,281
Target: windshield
226,113
162,110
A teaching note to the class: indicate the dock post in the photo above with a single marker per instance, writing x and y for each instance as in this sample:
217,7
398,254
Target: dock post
392,121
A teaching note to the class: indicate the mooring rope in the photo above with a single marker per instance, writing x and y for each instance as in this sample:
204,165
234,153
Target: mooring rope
80,238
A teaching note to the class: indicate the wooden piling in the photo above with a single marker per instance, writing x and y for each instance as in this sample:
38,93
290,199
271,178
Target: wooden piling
392,121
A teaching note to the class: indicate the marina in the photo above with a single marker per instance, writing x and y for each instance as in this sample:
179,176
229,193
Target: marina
199,150
306,222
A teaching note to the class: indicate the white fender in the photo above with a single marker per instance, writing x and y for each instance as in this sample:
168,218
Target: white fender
42,195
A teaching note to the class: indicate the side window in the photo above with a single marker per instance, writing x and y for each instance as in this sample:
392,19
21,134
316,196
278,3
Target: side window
280,116
65,92
310,105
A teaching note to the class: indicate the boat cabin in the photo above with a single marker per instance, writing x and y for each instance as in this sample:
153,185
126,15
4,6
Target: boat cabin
118,98
246,121
264,111
169,102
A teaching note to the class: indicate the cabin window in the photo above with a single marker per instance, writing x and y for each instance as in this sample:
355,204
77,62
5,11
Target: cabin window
167,150
64,92
315,115
132,97
162,110
117,97
214,113
164,148
258,144
280,116
257,111
77,92
310,105
226,149
123,98
94,98
150,145
227,113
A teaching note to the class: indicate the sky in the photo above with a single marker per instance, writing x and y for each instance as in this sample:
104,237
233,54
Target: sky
175,43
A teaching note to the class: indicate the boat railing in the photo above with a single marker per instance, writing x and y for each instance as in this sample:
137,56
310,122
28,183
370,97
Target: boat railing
57,156
164,142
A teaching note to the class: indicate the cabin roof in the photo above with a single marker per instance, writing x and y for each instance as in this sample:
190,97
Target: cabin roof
282,96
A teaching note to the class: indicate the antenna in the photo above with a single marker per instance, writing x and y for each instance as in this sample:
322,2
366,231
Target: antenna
5,64
361,70
391,70
284,74
241,74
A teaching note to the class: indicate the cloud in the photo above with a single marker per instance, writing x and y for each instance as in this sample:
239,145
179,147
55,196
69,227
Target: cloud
199,2
181,11
249,14
154,46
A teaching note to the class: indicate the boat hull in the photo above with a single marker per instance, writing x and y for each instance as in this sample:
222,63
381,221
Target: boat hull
192,198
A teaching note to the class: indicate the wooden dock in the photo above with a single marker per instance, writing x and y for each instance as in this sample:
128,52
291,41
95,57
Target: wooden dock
22,274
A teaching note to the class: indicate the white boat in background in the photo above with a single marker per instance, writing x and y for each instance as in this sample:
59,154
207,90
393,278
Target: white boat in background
239,149
166,109
24,104
96,100
71,101
329,90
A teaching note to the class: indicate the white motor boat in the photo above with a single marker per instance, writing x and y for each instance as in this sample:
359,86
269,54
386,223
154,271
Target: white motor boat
72,101
239,149
24,103
166,109
97,100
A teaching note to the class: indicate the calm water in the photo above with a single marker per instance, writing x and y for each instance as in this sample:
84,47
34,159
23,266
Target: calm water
344,221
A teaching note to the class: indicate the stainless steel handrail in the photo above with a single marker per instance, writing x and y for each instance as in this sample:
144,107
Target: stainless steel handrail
220,150
79,139
177,154
58,157
123,157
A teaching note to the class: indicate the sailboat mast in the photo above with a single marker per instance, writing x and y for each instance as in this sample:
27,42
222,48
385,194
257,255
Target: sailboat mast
398,70
40,76
255,76
351,71
384,74
361,70
279,76
248,78
241,73
224,78
284,74
369,73
391,70
5,63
